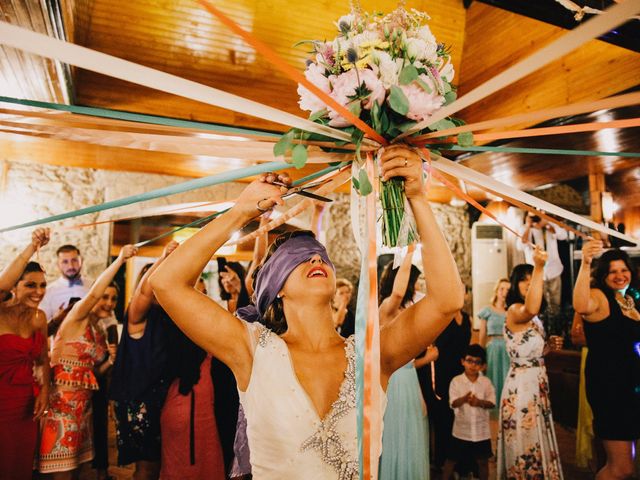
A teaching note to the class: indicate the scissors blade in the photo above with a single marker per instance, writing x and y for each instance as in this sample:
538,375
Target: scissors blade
304,193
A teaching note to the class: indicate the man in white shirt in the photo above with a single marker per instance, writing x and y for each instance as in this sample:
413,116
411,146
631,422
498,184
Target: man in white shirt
471,397
536,231
69,285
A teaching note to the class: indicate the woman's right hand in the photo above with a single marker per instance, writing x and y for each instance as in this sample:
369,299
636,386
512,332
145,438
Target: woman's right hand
262,195
40,237
539,257
127,252
590,250
169,247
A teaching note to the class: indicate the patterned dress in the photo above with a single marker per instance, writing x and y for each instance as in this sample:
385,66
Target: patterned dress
527,446
67,430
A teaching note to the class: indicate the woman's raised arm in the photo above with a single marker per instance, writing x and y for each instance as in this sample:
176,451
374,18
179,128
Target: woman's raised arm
524,312
419,325
143,295
393,302
204,321
586,300
82,308
11,274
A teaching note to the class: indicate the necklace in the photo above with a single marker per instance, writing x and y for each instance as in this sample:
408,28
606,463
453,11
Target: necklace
626,304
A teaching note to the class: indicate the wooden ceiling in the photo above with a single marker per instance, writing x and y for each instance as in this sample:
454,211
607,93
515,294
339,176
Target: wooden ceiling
180,37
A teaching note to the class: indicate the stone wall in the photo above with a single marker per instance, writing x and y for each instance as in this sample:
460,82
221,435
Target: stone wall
35,191
454,222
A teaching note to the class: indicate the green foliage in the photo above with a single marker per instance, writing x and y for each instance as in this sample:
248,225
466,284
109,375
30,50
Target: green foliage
299,155
408,75
465,139
398,100
365,185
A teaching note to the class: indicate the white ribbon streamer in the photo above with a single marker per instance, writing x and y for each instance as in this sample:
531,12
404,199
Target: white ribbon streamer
467,174
88,59
595,27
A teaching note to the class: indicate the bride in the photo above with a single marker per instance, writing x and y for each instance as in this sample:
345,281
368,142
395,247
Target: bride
295,373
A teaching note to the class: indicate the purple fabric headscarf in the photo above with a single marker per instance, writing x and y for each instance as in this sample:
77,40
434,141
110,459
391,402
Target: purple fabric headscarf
274,273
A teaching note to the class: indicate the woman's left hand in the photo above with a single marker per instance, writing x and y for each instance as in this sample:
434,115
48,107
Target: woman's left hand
402,161
41,404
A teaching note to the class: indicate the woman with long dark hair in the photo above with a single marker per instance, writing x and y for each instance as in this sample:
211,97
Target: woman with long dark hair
295,373
141,377
527,445
612,371
23,345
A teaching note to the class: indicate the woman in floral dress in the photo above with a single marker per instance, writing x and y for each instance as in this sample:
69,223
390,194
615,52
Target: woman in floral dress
79,353
527,446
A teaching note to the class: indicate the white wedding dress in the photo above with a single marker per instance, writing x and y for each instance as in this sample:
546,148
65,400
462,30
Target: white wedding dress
287,438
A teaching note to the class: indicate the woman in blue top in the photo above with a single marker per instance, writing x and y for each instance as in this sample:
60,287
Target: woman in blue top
491,336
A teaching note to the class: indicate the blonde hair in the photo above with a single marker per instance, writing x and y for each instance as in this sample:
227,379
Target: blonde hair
494,298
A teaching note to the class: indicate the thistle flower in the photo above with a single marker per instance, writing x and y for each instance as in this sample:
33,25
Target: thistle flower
352,55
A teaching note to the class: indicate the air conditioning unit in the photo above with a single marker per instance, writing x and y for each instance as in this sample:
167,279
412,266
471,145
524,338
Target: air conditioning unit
488,263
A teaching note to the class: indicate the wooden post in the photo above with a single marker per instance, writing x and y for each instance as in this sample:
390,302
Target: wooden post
596,187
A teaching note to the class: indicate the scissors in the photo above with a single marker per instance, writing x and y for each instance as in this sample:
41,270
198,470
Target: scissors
302,190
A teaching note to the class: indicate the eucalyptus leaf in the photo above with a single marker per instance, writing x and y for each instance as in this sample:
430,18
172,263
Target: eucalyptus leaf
365,185
446,87
375,117
299,155
450,97
317,115
282,146
465,139
356,183
398,100
408,75
442,125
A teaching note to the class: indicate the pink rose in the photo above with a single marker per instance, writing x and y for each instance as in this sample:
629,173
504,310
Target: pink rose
308,101
344,86
422,104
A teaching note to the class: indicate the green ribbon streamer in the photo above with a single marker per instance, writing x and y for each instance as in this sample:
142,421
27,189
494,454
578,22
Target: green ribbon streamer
161,192
195,223
138,117
541,151
199,221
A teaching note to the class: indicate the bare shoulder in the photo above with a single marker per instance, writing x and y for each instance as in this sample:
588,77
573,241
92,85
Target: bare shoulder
39,319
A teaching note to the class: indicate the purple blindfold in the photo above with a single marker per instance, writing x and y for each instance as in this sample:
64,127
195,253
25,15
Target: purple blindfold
274,273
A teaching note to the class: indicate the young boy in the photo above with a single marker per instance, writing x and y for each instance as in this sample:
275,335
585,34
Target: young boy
472,396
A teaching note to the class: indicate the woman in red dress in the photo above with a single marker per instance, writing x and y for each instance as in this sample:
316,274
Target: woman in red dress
23,333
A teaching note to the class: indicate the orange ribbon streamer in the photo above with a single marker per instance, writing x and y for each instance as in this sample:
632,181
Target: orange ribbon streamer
372,423
538,132
293,73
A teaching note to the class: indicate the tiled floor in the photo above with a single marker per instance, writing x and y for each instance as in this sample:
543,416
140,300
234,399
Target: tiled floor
566,443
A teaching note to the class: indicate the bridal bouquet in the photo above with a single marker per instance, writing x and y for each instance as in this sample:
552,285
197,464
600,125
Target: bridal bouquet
390,72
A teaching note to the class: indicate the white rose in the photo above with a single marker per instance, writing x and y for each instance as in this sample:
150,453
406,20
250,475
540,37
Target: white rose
447,72
425,34
386,68
418,49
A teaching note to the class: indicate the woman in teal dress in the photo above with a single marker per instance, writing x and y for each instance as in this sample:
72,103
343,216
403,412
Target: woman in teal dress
405,441
491,337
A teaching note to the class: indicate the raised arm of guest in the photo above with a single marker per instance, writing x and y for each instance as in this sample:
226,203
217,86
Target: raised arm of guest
589,302
529,288
419,325
12,272
208,324
430,355
259,251
143,296
391,304
83,307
